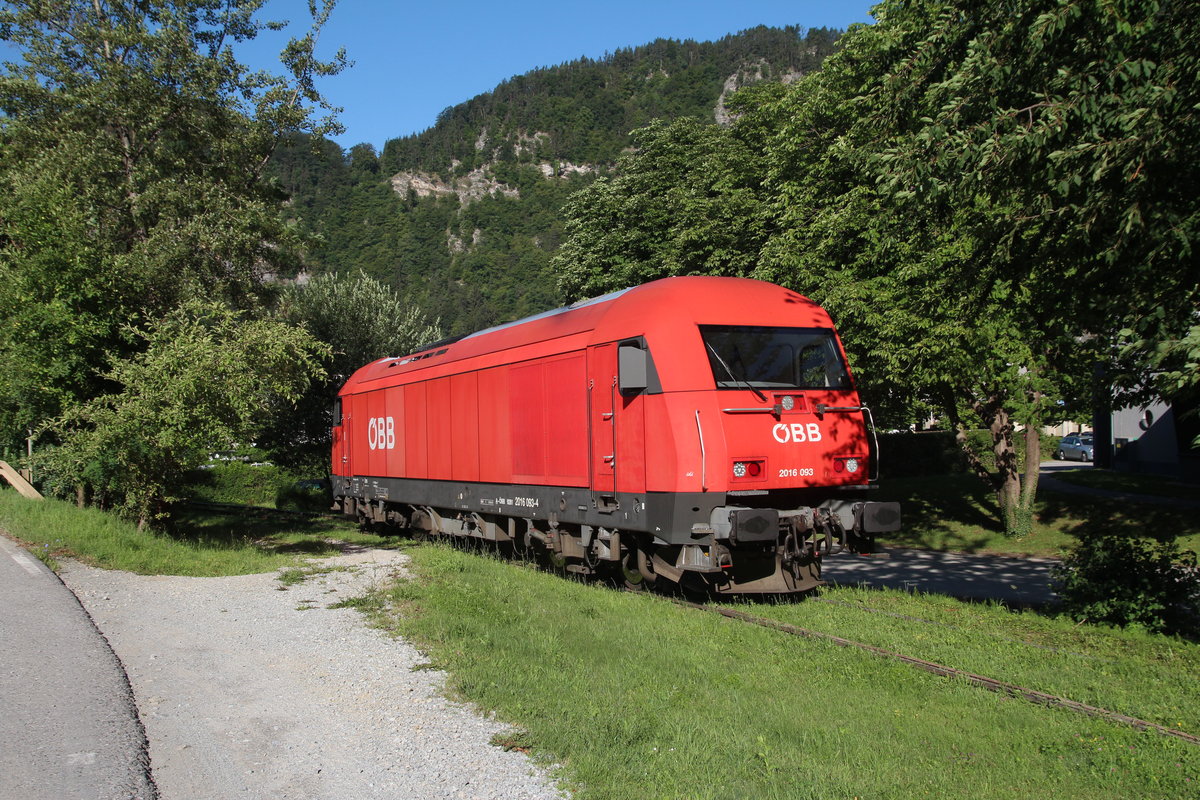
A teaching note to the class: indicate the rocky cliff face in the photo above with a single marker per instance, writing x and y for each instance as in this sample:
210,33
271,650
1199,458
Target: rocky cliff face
479,183
750,73
475,185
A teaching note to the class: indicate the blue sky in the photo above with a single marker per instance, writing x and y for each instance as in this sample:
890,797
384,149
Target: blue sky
414,59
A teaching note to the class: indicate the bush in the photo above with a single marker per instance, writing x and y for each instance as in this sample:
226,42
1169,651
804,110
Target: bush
1123,580
903,455
310,495
239,483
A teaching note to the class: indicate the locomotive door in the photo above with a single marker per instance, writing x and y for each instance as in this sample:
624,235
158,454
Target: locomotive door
340,465
602,392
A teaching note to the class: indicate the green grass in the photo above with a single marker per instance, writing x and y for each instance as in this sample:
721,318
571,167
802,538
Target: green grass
958,513
199,544
1130,482
1088,664
637,697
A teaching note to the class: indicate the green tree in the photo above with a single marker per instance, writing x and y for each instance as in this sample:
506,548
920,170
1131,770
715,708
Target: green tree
359,320
1050,146
133,146
199,384
685,202
990,198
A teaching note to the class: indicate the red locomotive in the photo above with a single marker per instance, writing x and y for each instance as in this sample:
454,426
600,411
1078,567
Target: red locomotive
702,430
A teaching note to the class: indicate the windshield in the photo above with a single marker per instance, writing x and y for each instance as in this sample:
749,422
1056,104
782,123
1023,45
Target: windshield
744,356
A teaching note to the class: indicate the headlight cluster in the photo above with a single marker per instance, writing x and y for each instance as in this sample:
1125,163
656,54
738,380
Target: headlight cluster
850,465
747,469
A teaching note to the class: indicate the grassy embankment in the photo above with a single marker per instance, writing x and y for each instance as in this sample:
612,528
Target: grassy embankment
203,544
636,697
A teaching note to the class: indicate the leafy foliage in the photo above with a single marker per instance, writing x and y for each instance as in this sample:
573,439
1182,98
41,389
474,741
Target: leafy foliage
359,320
686,202
1122,580
134,145
199,384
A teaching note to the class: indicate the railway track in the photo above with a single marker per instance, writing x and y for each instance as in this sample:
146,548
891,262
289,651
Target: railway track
991,684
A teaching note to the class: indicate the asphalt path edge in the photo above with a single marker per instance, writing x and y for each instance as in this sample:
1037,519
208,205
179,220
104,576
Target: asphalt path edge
138,782
142,780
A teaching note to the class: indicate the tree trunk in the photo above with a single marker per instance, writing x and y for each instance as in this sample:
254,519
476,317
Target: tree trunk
1007,478
1033,466
1014,499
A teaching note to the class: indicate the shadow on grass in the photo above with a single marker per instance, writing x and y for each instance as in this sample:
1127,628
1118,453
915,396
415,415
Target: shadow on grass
1085,517
944,513
958,513
282,533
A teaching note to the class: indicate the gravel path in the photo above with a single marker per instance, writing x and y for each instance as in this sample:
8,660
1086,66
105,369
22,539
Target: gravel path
249,691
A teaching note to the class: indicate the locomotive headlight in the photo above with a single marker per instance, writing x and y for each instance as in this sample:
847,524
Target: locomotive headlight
851,465
747,470
788,402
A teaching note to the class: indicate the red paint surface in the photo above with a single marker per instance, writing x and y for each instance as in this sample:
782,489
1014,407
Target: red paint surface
534,402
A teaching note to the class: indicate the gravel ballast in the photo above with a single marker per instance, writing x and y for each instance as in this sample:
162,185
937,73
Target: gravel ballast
250,691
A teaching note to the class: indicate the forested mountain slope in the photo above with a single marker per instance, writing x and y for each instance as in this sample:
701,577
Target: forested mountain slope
464,217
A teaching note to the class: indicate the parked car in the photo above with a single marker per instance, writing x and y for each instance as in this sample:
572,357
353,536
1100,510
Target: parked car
1076,447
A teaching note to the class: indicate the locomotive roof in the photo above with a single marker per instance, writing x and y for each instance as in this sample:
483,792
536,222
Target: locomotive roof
657,305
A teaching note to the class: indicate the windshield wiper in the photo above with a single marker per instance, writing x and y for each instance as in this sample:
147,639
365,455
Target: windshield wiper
733,377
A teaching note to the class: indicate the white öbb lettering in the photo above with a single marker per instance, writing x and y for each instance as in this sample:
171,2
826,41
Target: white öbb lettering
381,433
796,432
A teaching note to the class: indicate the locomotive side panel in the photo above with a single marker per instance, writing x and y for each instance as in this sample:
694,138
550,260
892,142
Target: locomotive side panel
377,430
415,425
440,421
631,443
566,428
528,412
495,427
464,426
399,441
602,391
549,434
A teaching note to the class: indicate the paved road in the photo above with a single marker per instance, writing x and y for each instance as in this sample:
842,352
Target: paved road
1049,481
1018,581
68,726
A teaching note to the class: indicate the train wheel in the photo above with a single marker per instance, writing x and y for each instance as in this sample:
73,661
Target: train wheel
694,588
634,576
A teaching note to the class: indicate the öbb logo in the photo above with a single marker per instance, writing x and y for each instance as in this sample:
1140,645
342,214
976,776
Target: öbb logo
381,433
796,432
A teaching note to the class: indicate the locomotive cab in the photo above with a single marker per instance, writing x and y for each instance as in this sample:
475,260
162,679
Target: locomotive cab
784,452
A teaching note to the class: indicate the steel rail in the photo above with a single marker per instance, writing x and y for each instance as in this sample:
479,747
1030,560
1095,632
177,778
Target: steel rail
910,618
991,684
